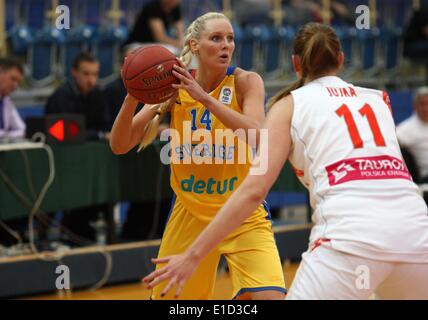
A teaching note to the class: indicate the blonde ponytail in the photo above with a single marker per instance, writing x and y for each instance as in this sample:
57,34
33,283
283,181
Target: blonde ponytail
186,56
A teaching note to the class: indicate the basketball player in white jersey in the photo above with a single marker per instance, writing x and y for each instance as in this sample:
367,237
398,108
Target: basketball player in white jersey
370,231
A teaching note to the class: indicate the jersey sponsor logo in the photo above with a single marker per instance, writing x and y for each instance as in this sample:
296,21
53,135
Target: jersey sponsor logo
367,168
226,94
210,186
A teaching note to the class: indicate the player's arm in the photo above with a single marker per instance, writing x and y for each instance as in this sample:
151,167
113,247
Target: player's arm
253,190
239,206
251,89
159,33
128,130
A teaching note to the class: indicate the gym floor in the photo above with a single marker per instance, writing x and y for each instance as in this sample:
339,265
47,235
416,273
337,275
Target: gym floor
136,291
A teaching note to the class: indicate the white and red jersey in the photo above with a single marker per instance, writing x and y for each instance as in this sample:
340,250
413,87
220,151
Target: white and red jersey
345,151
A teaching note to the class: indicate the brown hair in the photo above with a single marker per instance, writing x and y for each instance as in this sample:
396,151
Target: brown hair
7,63
318,47
81,57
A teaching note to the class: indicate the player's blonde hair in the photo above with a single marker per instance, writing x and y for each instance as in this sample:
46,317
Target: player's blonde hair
192,32
318,48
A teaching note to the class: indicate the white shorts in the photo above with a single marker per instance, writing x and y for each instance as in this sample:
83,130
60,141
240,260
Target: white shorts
328,274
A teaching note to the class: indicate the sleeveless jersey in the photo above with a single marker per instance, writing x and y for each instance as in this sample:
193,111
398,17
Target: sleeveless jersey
345,151
201,184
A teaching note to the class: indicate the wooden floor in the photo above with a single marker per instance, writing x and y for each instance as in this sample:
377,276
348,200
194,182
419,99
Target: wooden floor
223,289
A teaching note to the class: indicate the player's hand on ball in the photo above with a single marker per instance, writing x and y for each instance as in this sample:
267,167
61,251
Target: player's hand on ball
178,269
188,83
131,99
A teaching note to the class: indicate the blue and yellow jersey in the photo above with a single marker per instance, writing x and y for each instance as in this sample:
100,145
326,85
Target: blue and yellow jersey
203,187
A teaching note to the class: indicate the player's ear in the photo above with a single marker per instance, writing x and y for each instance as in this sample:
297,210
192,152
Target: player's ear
194,46
296,64
341,59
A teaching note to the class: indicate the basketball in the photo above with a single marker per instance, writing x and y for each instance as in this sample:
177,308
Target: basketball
147,74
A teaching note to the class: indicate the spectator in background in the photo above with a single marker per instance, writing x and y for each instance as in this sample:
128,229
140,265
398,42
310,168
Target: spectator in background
81,95
416,37
155,20
298,12
11,124
413,133
255,12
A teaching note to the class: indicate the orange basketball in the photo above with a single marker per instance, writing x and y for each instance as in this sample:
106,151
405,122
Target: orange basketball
147,74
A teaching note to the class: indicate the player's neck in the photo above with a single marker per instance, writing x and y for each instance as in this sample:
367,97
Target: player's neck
328,74
209,79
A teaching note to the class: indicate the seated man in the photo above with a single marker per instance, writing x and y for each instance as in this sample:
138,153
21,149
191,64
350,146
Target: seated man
412,133
82,95
11,124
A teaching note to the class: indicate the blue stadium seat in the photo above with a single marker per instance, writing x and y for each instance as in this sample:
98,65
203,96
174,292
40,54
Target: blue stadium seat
402,104
76,40
347,37
42,56
287,48
237,30
392,45
370,45
30,111
249,50
272,51
20,38
106,47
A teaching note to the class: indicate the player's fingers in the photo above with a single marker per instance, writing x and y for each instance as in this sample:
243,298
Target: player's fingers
180,288
181,64
162,260
183,71
181,77
159,279
177,86
154,274
169,286
178,75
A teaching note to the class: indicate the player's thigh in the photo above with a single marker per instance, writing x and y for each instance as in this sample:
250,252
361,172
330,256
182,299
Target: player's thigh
327,274
182,228
254,264
406,281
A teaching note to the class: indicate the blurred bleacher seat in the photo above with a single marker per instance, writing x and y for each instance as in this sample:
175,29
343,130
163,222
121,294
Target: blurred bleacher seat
42,56
20,38
106,47
76,40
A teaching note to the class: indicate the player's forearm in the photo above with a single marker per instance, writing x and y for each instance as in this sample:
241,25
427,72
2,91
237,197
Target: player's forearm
230,118
237,209
121,133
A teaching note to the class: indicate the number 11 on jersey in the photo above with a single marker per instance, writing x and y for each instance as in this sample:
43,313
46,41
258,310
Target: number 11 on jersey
365,111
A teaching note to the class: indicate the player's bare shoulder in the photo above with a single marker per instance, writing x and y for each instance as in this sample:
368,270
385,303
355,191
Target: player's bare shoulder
246,79
248,82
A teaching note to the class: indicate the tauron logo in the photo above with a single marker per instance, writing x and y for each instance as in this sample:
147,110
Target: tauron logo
341,171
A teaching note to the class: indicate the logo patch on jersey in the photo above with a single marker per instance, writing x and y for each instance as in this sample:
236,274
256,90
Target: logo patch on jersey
367,168
226,95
